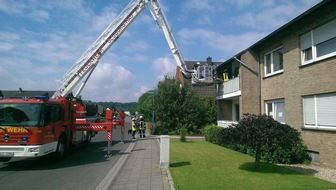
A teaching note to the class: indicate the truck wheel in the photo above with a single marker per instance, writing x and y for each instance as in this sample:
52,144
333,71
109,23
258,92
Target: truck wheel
88,138
61,148
5,159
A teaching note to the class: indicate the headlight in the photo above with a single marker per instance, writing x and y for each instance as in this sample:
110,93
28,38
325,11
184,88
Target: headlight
34,149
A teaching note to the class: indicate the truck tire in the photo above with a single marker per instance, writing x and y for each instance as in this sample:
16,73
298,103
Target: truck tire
88,138
61,148
5,159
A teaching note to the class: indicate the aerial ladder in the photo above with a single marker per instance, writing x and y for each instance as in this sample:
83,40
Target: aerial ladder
86,64
57,123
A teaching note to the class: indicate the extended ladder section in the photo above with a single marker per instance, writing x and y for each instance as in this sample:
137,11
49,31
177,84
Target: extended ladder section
89,60
85,65
160,18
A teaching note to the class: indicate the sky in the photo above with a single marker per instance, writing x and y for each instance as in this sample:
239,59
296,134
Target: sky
40,40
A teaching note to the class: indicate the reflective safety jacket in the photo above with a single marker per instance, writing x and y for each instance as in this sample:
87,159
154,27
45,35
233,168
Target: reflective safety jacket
142,125
133,126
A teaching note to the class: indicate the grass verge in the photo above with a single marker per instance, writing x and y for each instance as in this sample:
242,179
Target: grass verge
202,165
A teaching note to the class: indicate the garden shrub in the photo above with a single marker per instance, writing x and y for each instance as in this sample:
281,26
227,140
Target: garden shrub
212,133
262,137
270,140
160,130
183,134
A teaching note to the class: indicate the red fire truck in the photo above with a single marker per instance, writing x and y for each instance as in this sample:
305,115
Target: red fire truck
36,126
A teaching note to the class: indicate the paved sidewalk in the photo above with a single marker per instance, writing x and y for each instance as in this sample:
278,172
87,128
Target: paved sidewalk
141,169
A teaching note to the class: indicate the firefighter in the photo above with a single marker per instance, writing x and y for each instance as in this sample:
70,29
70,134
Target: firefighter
142,127
134,128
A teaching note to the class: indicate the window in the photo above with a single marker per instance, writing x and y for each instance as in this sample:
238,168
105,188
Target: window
51,114
319,43
276,109
320,111
274,62
19,114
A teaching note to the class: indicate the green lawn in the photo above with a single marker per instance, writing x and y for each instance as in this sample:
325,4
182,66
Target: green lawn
202,165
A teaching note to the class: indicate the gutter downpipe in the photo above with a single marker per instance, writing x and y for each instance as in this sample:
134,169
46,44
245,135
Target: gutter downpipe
259,77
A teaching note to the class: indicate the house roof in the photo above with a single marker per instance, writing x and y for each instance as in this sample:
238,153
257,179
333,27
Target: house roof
23,93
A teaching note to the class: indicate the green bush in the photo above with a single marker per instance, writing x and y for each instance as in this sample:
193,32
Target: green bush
260,134
282,155
183,134
212,133
160,130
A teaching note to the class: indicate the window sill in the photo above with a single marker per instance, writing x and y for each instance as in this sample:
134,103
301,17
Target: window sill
310,64
328,129
316,62
273,74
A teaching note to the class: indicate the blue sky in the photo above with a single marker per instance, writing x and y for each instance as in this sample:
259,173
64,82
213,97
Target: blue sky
41,39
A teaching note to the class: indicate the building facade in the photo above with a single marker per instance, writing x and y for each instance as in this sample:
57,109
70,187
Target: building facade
239,93
296,81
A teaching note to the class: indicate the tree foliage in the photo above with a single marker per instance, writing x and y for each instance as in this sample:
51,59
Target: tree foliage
176,107
130,106
262,137
262,132
169,104
145,106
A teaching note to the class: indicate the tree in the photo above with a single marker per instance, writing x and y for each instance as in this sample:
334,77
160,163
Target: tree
177,107
145,107
169,98
262,132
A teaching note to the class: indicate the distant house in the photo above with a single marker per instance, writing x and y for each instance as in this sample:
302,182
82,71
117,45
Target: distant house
200,90
24,93
295,80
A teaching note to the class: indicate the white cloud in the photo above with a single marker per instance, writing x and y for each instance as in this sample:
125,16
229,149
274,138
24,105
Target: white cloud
243,3
39,15
164,66
5,74
228,44
273,15
14,80
100,22
267,19
109,82
142,89
137,46
11,7
205,19
203,5
6,47
8,36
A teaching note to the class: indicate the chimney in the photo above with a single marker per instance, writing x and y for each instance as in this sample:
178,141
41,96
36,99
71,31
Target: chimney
209,60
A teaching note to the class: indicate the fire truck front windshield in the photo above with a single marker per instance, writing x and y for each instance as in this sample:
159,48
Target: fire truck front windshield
19,114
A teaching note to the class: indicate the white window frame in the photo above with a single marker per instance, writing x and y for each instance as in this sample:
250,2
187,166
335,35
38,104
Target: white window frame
311,39
313,104
275,109
271,53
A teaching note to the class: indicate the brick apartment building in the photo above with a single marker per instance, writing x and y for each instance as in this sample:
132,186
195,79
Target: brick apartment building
239,93
290,75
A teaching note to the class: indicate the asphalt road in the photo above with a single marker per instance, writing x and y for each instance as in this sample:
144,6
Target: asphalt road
84,168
